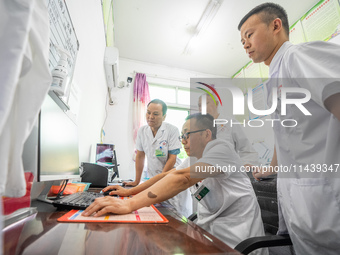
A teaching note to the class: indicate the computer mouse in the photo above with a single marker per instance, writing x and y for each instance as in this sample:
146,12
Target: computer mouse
107,193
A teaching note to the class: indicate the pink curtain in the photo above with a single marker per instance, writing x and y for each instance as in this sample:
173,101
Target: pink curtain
141,98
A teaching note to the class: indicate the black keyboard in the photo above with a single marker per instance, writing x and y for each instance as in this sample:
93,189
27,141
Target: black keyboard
78,201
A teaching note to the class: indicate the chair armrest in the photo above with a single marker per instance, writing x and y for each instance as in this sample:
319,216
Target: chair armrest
192,217
253,243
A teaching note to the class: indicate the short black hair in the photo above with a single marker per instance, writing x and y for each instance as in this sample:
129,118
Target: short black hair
204,121
158,101
268,12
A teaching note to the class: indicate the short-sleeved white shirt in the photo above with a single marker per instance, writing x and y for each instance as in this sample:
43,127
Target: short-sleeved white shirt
166,139
230,210
310,206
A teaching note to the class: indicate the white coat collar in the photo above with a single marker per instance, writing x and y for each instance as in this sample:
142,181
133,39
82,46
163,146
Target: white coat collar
278,56
159,132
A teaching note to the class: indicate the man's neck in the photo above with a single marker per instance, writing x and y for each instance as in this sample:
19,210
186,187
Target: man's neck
275,50
154,131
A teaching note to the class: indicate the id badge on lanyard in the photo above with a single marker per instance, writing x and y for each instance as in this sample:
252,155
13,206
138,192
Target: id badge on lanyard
201,192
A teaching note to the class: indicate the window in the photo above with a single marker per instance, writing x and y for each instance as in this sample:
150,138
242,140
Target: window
178,102
167,94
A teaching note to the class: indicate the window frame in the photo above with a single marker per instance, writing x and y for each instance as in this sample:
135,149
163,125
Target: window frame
174,105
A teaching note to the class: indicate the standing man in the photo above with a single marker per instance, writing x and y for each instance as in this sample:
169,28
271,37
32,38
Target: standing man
310,206
158,141
234,135
228,207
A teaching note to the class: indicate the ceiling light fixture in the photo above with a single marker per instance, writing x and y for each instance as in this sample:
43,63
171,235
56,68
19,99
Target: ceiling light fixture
206,18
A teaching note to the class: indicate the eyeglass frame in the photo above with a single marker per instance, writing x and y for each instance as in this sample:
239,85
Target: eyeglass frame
185,136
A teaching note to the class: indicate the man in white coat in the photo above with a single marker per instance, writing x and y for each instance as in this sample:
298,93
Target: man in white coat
234,134
158,142
309,199
228,208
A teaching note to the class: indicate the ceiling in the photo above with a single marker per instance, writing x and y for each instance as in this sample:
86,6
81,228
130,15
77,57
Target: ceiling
157,31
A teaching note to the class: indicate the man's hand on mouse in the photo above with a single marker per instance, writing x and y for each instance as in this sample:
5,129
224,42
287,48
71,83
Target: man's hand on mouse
117,190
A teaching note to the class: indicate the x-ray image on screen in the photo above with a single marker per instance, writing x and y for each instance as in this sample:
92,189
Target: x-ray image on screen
104,153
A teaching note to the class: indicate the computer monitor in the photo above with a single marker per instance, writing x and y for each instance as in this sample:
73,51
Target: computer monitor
104,153
58,156
106,156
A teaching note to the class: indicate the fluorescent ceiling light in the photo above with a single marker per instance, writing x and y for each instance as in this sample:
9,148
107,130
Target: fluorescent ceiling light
206,18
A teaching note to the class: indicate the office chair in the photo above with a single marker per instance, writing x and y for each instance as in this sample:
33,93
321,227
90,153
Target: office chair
266,193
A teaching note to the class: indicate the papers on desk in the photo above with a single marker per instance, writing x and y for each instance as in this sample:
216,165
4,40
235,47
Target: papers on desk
144,215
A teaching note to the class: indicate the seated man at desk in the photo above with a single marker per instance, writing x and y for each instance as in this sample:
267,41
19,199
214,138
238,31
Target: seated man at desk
227,208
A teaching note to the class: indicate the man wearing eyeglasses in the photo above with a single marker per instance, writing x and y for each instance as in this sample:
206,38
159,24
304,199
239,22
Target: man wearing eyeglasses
227,207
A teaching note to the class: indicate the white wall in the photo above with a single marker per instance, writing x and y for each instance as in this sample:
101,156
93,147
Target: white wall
89,73
118,127
90,77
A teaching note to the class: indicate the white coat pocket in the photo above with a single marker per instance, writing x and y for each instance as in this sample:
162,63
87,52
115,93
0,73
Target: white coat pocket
315,211
213,200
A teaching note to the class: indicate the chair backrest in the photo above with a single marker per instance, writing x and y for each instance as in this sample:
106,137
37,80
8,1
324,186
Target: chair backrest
266,194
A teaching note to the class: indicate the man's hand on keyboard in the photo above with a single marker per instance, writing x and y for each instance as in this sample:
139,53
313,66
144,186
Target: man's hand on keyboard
117,190
104,205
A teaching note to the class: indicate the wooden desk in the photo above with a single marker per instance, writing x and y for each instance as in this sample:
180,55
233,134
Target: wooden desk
42,234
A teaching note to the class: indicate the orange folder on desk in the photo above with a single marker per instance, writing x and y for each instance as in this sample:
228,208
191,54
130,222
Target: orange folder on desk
143,215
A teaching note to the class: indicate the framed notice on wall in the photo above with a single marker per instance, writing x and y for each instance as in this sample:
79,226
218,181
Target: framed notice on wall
62,35
322,22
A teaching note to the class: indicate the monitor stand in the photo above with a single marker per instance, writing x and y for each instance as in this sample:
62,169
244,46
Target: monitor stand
43,195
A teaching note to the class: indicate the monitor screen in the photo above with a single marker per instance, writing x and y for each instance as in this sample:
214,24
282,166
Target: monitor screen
104,153
58,156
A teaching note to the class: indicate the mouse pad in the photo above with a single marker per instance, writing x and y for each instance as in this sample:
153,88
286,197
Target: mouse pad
143,215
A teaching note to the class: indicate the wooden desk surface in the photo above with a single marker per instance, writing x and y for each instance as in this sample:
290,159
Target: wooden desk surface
42,234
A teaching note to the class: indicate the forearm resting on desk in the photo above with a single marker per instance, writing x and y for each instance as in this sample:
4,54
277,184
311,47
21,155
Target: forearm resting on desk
167,187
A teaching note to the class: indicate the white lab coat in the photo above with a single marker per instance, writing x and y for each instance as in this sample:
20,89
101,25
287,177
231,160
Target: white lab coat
310,202
236,136
230,210
166,139
25,80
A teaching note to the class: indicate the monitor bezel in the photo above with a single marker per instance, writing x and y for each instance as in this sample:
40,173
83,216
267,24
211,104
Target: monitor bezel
53,177
105,144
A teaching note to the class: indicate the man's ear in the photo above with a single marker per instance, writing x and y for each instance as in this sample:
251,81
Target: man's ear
277,25
164,116
208,134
